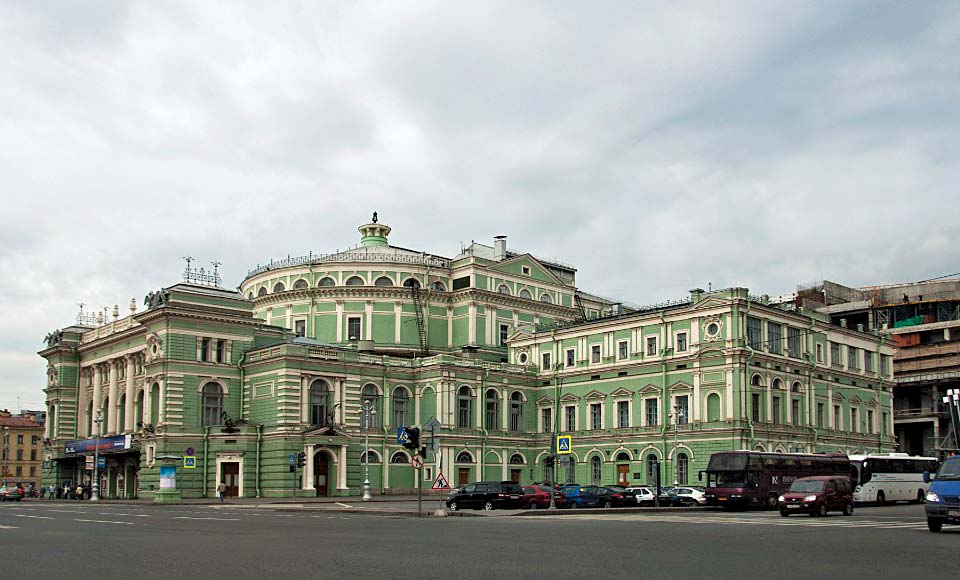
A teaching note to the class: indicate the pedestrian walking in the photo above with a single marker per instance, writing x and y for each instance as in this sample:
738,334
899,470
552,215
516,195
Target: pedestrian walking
53,491
221,490
66,491
79,491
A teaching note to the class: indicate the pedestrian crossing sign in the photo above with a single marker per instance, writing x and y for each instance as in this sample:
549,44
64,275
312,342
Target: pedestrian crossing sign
189,462
440,483
564,444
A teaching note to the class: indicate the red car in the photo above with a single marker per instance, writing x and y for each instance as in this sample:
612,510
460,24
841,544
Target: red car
538,497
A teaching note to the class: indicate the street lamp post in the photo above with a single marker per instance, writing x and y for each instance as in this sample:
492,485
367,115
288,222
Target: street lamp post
553,437
677,417
6,454
95,489
369,411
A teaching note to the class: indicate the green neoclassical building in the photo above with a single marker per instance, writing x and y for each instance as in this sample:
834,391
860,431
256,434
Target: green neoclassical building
497,345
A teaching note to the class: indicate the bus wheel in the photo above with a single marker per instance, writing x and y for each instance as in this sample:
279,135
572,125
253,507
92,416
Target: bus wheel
881,499
771,502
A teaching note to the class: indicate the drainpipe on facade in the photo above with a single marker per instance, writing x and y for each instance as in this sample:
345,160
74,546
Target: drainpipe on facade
259,438
483,426
206,437
384,430
813,391
243,356
746,373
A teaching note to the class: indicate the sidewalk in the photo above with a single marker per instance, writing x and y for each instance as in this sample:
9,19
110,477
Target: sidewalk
250,501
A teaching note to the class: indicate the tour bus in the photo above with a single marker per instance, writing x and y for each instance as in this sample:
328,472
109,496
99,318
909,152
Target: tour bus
757,478
890,477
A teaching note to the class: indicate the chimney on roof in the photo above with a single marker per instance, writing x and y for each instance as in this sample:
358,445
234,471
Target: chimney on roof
499,248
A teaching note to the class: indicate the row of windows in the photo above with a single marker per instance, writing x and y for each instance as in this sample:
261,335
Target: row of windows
19,454
213,350
566,469
34,439
651,407
327,281
681,344
524,293
18,472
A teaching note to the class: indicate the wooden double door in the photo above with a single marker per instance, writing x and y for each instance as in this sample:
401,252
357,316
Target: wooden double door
231,478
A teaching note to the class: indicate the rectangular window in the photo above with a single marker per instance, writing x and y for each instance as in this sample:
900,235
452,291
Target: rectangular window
819,353
681,342
570,418
869,421
837,418
461,283
868,361
793,342
651,346
795,411
682,410
595,353
33,455
19,471
835,354
854,423
596,416
19,454
820,415
353,328
547,418
545,360
651,412
33,471
852,358
885,365
754,333
19,439
774,338
504,332
300,327
222,350
204,350
622,348
755,407
571,356
776,411
623,414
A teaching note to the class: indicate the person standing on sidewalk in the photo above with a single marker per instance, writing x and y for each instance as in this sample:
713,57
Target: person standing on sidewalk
221,490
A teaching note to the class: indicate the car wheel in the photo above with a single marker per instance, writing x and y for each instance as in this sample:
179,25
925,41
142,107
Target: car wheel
532,505
784,513
822,510
607,504
574,505
848,508
920,496
453,506
772,502
488,506
934,525
881,498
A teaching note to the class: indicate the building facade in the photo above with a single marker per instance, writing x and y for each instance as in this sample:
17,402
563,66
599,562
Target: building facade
22,440
500,347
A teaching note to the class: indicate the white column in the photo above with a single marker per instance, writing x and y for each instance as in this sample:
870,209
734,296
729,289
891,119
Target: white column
342,468
368,317
308,469
97,394
829,409
85,378
696,399
505,409
480,402
128,419
338,402
289,312
147,402
305,400
339,320
397,317
416,404
162,415
450,327
114,393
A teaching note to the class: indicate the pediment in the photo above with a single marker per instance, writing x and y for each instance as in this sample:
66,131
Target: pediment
838,397
569,398
681,386
329,430
595,395
545,402
621,392
709,303
650,389
538,271
854,400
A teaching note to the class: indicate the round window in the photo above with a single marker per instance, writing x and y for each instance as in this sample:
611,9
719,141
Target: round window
155,349
523,358
713,329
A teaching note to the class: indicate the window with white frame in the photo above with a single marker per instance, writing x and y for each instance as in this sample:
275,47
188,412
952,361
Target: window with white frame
754,333
545,359
492,409
571,357
681,342
651,346
793,342
595,353
570,418
622,349
516,411
838,417
867,361
504,333
596,416
353,328
300,327
819,353
623,414
546,418
853,358
464,407
682,409
651,408
820,415
854,420
774,337
869,421
835,358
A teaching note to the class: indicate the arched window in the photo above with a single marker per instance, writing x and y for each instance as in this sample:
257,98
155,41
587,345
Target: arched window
568,469
492,407
401,400
623,456
374,458
369,394
651,469
250,295
279,287
756,381
464,457
300,284
262,291
438,286
516,411
355,281
516,459
464,408
399,457
713,407
596,469
383,281
212,405
777,384
411,283
320,409
683,468
525,294
503,289
546,299
796,387
326,282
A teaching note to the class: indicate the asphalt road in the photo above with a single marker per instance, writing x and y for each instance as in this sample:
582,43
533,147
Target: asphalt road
100,541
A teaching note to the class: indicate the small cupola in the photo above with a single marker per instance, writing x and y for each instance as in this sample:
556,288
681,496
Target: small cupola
374,234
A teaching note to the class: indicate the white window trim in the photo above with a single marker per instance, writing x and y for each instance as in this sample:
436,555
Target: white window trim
657,399
603,414
600,349
576,418
656,344
349,318
676,335
565,358
622,342
540,411
616,404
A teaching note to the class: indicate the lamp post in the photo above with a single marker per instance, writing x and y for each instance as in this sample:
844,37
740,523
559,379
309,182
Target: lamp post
95,489
369,412
6,454
553,436
677,417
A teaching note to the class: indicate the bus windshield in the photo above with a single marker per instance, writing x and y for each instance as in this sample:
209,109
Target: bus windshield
728,462
809,486
950,469
730,479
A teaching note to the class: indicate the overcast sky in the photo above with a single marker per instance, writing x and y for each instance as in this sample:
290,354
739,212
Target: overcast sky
658,146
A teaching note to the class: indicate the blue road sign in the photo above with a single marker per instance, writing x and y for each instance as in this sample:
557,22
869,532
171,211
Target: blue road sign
402,435
101,462
189,462
564,444
292,459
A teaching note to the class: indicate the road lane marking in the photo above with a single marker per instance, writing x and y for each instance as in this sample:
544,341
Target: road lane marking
116,514
215,519
9,528
34,517
105,522
344,505
66,511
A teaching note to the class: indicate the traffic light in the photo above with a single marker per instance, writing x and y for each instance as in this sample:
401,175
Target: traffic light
413,438
301,459
548,460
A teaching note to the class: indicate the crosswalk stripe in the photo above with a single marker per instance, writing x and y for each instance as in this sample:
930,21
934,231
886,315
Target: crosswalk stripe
105,522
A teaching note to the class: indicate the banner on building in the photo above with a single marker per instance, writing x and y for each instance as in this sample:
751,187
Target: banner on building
120,442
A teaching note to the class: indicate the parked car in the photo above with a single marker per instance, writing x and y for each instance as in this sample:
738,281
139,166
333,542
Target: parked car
11,493
642,495
538,497
610,497
454,491
487,495
581,496
943,497
817,496
690,496
668,498
629,497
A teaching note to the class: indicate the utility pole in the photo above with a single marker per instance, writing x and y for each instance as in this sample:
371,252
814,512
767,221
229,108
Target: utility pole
368,413
677,417
95,489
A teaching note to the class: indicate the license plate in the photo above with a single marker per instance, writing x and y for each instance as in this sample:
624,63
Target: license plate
721,499
953,513
793,506
514,497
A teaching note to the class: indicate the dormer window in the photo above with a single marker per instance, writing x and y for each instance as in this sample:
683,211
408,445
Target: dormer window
525,270
525,294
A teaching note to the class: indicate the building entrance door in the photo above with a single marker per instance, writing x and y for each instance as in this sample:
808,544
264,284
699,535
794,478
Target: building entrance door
231,479
321,472
463,475
623,474
515,475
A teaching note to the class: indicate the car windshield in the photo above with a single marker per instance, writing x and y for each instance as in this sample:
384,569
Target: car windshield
950,469
806,486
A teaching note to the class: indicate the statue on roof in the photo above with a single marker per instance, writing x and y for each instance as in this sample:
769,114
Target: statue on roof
374,217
